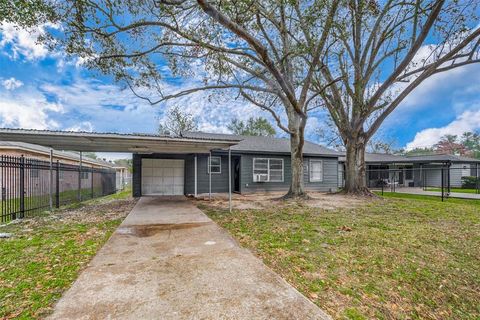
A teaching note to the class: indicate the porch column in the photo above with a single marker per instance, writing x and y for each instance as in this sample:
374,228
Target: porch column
229,179
195,166
209,176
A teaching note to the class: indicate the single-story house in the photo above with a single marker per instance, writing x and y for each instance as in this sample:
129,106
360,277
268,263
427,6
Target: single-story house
417,171
258,164
17,149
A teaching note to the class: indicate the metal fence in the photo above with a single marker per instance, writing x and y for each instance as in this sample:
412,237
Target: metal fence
435,180
30,186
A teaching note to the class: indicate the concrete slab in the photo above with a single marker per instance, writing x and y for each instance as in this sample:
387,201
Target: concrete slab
168,260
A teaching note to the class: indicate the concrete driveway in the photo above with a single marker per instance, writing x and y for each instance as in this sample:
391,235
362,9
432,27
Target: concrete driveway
168,260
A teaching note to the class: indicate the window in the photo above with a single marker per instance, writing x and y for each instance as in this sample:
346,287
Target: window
215,165
316,170
267,170
408,173
84,175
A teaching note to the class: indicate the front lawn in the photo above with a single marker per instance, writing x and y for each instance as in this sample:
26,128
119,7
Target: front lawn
397,258
46,253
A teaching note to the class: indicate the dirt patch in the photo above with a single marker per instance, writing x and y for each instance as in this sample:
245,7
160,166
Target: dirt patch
258,201
143,231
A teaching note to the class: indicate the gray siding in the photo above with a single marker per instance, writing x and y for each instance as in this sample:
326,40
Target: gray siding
220,181
330,175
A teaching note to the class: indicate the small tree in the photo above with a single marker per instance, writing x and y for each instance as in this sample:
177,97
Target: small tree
252,127
177,122
271,53
383,51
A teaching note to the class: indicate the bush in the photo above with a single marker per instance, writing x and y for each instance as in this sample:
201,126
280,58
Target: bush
469,182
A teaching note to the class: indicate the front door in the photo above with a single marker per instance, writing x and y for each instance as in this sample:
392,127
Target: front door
236,175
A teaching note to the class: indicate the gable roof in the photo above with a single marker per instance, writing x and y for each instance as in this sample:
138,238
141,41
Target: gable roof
34,148
258,144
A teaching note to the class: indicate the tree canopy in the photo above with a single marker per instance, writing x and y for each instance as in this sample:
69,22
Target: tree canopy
176,122
252,127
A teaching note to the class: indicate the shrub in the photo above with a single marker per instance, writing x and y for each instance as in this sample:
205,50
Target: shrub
469,182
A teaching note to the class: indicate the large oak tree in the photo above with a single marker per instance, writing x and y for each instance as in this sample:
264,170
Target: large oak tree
270,53
383,51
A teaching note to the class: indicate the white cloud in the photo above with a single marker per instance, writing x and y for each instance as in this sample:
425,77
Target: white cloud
84,126
27,110
22,42
12,83
467,121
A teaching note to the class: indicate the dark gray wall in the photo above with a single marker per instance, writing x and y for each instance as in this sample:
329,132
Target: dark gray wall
220,181
330,175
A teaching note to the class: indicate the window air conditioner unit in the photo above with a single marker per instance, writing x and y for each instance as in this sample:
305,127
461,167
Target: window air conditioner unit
260,177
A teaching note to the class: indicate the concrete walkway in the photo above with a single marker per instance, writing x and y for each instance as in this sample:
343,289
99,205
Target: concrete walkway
168,260
420,191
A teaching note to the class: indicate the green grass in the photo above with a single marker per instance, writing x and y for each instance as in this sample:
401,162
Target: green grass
458,190
46,254
69,196
386,259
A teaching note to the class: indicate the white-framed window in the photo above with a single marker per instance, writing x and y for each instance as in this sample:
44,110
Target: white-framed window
267,170
84,175
316,170
214,164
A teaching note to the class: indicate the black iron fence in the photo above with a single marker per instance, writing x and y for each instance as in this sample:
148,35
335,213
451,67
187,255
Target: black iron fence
29,186
459,181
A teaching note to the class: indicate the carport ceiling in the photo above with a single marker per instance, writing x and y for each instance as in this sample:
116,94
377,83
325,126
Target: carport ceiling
114,142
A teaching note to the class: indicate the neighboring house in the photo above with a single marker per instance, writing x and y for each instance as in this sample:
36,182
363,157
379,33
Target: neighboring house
259,164
37,174
417,171
17,149
123,177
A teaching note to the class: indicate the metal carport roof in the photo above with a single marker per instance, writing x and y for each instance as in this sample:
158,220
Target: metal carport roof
115,142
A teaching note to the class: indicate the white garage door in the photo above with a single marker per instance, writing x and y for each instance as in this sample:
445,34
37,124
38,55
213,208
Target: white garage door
162,177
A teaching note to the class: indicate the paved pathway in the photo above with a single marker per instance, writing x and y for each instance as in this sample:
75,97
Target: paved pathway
436,193
168,260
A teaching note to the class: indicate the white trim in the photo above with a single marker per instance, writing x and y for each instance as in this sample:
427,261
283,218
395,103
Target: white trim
268,168
310,170
209,164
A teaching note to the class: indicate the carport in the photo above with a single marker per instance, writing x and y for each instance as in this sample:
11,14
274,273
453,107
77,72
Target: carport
161,176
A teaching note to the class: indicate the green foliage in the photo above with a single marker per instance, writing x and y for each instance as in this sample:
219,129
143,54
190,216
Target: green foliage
470,182
128,163
176,122
252,127
27,13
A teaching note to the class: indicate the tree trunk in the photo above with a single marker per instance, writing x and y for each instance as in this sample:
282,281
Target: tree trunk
355,167
297,140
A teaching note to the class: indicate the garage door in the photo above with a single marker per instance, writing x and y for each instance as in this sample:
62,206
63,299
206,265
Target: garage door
162,177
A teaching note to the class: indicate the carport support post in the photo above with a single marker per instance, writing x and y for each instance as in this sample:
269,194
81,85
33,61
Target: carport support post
229,179
210,177
195,162
50,182
80,179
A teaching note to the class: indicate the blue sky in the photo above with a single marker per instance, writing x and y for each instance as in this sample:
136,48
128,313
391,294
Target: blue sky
45,90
